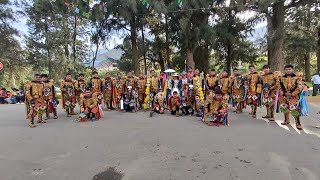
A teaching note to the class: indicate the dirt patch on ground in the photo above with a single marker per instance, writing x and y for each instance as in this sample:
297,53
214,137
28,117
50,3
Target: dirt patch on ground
110,174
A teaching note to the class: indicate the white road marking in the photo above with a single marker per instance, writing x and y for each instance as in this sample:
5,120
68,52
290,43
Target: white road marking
309,175
282,126
266,120
313,104
292,124
311,132
295,128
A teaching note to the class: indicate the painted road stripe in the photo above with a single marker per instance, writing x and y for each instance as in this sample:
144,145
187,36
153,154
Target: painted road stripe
280,125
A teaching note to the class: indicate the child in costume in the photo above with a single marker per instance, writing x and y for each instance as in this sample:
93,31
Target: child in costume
198,106
155,85
89,106
49,96
237,88
270,86
68,90
174,103
187,100
185,107
80,86
215,107
184,79
118,85
35,102
108,91
290,88
252,84
141,89
303,105
159,103
211,81
130,100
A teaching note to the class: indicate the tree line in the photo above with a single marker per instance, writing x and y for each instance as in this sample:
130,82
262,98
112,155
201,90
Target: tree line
65,35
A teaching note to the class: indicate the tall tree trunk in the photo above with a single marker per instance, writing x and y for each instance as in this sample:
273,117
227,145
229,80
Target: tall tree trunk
66,51
145,63
269,40
167,42
318,51
66,39
95,55
144,50
74,43
161,61
229,58
190,61
49,61
277,37
46,29
307,66
13,80
229,44
206,63
133,36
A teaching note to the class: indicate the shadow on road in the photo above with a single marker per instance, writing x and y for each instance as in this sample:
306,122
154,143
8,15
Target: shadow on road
110,174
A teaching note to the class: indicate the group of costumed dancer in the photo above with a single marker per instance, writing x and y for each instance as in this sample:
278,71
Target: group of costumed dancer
191,94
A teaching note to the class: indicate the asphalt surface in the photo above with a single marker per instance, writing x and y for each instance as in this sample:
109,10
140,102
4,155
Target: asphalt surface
135,146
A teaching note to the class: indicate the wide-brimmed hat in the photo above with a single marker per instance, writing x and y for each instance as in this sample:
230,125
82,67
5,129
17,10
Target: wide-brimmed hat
175,75
184,73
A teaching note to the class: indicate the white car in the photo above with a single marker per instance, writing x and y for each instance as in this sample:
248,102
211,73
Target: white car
58,91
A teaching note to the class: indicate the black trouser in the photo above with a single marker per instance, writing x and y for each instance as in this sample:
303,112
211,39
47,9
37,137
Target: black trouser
2,100
187,110
21,98
316,88
174,112
199,113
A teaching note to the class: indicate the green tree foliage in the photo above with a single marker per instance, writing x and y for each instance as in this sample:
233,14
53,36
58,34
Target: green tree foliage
56,37
101,28
65,35
12,56
301,28
231,44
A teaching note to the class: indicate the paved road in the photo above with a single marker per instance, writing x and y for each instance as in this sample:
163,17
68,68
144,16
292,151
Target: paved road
162,147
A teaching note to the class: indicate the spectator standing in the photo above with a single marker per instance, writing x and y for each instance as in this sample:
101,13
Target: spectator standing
316,84
305,88
163,78
190,74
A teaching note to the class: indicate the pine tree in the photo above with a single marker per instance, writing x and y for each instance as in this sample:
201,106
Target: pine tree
275,12
126,16
301,28
231,45
11,54
56,37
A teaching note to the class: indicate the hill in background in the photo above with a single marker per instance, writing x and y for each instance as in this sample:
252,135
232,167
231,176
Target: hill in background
107,57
